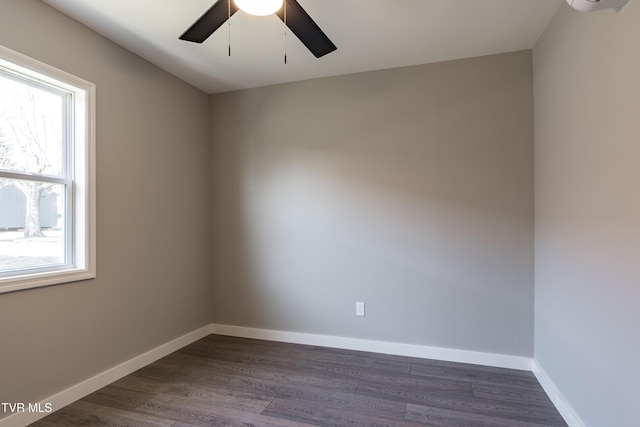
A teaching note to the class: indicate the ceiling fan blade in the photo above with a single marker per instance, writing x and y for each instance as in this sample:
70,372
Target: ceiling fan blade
305,28
210,21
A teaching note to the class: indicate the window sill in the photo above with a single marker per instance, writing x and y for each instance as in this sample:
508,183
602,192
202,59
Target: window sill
36,280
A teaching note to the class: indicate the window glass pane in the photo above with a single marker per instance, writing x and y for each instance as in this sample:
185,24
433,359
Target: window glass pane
31,127
31,224
47,176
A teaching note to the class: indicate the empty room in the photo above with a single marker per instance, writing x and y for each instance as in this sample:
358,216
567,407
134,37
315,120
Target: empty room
326,213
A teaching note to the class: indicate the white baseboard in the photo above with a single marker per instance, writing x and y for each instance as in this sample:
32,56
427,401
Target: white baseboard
105,378
80,390
425,352
571,418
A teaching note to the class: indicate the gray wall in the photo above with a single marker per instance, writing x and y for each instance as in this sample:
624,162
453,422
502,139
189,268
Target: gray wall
153,202
587,229
410,189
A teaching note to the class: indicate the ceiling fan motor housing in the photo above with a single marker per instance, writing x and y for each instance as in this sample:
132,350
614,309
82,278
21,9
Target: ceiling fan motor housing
593,5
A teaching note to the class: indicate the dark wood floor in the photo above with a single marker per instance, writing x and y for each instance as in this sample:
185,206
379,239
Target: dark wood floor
224,381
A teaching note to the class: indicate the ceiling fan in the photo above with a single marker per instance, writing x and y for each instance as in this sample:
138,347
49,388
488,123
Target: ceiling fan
292,14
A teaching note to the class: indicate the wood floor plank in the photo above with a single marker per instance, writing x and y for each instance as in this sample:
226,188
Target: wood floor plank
323,416
120,398
462,403
190,411
367,373
268,372
511,394
415,390
257,356
450,418
222,396
227,381
88,414
344,357
347,402
476,373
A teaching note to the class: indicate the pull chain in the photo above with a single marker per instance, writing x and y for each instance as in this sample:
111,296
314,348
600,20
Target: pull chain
285,31
229,21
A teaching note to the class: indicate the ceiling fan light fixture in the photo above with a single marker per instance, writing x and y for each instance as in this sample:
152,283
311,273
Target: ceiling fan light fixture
259,7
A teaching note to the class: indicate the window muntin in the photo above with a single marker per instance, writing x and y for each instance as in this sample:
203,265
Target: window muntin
47,158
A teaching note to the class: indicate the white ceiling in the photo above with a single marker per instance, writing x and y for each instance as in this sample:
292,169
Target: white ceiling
369,34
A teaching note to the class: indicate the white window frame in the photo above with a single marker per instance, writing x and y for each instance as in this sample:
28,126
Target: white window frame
82,265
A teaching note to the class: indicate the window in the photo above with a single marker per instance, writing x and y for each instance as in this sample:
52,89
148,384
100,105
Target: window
47,175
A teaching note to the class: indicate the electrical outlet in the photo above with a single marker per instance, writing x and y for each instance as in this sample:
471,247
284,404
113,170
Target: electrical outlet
359,309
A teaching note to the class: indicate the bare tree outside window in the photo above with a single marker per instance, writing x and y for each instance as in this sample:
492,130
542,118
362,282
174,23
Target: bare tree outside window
31,132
